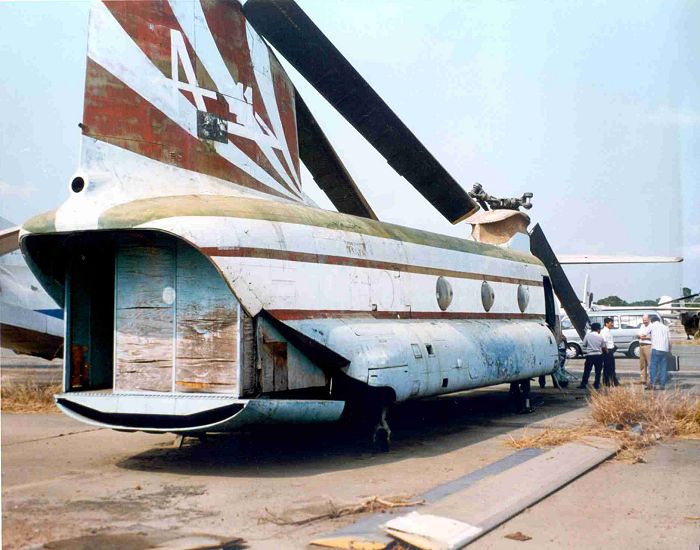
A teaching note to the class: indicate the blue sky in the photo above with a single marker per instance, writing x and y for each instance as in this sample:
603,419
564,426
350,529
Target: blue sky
593,106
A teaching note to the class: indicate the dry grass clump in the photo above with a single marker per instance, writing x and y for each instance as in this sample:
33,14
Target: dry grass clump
634,418
29,397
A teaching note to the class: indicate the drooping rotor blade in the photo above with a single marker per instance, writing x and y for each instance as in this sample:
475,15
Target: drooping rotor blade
9,240
299,40
539,246
325,166
688,297
573,259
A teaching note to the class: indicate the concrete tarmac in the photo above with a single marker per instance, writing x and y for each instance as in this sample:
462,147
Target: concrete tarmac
67,485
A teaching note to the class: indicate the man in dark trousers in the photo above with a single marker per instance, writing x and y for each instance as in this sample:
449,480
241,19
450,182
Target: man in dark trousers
609,374
593,349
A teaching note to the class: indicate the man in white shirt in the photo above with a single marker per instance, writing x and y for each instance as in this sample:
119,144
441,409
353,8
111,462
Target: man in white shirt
593,349
660,351
609,375
644,349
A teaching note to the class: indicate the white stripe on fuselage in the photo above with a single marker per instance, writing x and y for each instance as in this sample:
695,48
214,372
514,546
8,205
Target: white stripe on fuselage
281,284
285,284
218,231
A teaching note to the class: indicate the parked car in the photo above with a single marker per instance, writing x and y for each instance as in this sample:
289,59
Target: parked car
626,325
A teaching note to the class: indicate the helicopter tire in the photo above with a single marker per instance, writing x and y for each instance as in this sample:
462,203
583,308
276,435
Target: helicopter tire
542,381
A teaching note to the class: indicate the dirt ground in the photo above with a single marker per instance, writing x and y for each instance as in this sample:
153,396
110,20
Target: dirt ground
67,485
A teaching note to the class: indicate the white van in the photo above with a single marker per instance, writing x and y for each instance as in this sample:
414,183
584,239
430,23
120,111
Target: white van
626,323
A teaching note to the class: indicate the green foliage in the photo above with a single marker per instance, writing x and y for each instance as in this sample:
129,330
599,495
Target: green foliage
614,301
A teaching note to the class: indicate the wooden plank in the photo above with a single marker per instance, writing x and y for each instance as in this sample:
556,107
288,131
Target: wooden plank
207,326
145,314
144,356
143,273
247,342
282,366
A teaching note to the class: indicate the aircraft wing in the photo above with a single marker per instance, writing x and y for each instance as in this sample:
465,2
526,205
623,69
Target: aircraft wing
9,240
574,259
30,321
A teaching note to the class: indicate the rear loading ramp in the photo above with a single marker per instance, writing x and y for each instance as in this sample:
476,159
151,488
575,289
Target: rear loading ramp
191,413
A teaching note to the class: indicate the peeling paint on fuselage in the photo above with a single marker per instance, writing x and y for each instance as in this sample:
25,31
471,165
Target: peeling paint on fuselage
323,272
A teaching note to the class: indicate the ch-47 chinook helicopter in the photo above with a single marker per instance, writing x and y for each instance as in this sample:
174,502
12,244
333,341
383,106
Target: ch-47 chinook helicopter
204,291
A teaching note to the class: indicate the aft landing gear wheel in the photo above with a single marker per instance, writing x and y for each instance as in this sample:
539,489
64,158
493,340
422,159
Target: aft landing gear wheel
381,437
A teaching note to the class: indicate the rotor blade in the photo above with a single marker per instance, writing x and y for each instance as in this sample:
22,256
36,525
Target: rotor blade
572,259
299,40
325,166
679,299
539,246
602,309
9,240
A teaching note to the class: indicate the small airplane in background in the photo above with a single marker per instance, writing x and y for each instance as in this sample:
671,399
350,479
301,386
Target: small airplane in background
30,320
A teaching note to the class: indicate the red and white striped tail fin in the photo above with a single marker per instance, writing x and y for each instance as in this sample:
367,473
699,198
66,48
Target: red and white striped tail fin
186,95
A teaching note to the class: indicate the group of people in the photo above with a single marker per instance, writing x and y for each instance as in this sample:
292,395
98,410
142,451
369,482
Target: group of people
599,350
654,350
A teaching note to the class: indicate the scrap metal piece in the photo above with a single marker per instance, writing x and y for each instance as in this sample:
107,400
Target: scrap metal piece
349,543
489,202
430,532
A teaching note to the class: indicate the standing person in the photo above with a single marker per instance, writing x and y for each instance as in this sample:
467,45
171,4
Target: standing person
644,350
593,348
609,375
660,351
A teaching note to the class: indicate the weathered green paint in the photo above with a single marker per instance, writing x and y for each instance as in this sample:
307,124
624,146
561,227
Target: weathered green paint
139,212
42,223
